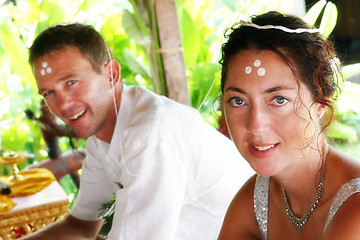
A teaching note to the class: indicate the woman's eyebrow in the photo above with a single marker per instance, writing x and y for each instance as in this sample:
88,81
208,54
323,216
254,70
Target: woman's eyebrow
278,88
270,90
234,89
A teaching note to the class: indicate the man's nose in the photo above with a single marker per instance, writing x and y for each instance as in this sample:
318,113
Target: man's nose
63,101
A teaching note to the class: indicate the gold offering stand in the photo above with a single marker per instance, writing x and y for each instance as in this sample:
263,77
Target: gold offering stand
32,212
13,159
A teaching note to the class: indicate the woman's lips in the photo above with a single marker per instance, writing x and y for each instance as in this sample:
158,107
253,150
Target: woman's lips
262,150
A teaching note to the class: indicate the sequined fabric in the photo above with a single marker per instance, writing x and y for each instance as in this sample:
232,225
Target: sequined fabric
261,195
261,199
346,190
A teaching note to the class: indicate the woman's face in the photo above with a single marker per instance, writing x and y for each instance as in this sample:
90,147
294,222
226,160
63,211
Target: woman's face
270,119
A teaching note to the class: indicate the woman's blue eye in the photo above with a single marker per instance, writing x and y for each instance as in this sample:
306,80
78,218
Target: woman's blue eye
236,101
279,100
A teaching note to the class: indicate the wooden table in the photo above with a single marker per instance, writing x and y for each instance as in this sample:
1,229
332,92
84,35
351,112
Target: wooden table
34,212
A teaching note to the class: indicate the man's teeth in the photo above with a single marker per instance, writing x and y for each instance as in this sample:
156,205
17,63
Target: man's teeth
264,148
76,116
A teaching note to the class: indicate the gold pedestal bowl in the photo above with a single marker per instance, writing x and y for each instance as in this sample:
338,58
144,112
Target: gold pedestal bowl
13,159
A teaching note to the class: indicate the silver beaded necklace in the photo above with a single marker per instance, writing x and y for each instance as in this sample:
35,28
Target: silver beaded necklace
299,223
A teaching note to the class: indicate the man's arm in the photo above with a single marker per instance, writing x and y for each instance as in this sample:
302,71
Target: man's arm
69,228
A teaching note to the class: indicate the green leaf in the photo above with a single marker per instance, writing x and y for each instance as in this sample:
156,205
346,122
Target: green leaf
314,12
201,81
135,28
16,50
68,184
328,21
16,137
54,14
190,37
70,188
136,66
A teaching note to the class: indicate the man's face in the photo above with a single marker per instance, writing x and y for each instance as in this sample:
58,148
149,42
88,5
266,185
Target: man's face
74,92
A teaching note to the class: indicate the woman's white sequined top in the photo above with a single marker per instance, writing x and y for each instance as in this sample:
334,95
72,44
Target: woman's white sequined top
261,196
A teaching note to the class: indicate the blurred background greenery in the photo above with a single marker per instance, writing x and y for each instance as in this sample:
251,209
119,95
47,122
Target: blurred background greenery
121,22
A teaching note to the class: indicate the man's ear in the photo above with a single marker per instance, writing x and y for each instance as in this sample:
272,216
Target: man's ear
113,71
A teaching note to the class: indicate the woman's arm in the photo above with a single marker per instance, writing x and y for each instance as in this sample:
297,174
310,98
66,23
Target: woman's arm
240,221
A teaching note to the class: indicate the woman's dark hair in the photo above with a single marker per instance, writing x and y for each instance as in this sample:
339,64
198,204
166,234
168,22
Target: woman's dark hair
310,57
84,37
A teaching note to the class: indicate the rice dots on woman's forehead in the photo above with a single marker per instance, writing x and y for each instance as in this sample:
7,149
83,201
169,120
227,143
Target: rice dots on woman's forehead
260,70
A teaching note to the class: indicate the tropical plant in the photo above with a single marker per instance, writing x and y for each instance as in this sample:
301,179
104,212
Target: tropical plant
129,29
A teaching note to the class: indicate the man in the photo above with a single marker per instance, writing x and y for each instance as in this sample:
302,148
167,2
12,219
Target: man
177,174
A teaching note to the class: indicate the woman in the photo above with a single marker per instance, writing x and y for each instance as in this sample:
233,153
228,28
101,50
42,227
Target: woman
279,86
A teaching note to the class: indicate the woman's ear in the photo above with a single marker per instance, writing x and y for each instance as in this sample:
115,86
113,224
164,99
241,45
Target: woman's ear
321,109
223,128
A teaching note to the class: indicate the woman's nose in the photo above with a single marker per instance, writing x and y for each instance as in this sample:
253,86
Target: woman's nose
257,120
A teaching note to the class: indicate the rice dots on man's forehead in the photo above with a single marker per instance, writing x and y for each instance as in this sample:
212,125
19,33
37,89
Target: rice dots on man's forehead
45,68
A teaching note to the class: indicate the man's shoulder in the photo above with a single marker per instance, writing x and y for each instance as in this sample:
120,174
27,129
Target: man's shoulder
152,106
146,96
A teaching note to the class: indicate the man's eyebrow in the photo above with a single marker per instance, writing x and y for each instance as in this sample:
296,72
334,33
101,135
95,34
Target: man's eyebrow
67,76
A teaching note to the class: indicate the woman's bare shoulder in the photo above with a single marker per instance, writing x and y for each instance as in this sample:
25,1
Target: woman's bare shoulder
345,224
346,221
